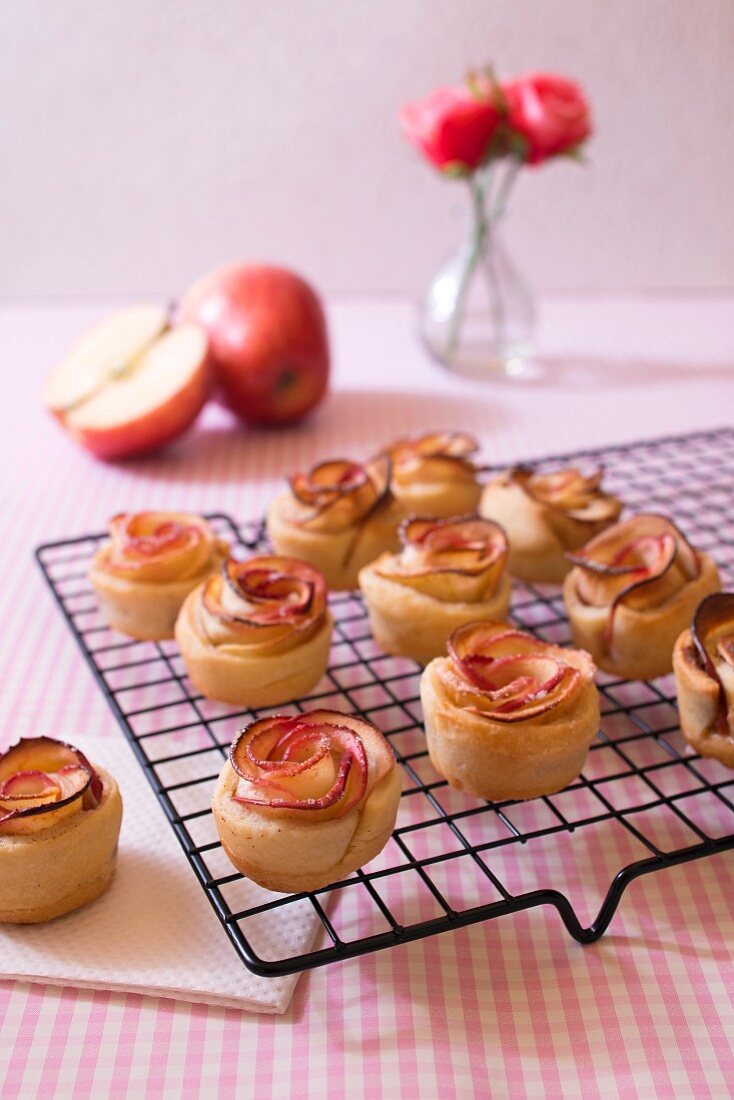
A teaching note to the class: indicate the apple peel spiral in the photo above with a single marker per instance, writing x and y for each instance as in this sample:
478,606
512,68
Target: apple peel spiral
305,800
703,662
546,515
508,716
449,572
435,474
257,633
59,824
150,564
338,516
631,592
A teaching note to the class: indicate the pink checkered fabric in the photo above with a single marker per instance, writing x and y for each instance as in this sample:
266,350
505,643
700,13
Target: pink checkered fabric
511,1007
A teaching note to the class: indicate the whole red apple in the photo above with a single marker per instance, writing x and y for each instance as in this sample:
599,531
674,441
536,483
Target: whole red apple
268,341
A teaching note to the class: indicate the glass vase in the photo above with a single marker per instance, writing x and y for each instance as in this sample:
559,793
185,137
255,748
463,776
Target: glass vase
479,315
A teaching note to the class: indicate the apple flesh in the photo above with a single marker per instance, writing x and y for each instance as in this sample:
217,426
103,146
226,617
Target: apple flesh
268,340
131,384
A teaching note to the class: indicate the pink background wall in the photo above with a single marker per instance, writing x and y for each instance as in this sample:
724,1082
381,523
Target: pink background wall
149,140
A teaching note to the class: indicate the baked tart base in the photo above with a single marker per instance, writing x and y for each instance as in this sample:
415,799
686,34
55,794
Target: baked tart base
147,612
408,623
339,555
280,853
230,674
48,873
642,641
500,761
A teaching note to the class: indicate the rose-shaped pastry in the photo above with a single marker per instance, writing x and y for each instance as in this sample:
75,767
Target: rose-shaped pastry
59,822
151,563
303,801
545,515
450,571
508,716
703,662
338,516
435,475
258,633
632,590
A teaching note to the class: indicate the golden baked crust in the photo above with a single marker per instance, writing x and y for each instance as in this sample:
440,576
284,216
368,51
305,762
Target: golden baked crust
337,517
306,800
435,474
145,572
703,662
58,846
545,515
449,572
631,592
258,633
508,716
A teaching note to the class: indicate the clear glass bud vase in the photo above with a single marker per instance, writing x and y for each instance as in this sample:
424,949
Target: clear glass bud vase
479,315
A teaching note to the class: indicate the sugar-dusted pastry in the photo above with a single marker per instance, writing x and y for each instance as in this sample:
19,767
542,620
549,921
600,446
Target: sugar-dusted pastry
506,715
449,572
304,801
632,590
59,822
703,662
257,633
545,515
435,474
338,516
151,563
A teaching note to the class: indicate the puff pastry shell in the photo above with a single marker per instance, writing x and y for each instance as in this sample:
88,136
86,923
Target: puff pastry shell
152,561
506,715
306,800
449,572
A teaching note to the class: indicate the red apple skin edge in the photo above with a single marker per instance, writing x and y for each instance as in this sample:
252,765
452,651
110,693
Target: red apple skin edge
153,430
268,340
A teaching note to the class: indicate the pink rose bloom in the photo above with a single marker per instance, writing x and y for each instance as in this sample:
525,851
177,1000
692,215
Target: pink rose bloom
549,112
452,128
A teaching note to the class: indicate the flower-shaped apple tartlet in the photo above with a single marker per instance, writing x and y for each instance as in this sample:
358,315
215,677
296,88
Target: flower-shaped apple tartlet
632,590
506,715
546,515
435,474
338,516
703,662
304,801
449,572
258,633
59,823
145,572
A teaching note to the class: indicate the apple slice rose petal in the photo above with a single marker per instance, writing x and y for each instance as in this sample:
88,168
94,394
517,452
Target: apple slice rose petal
712,633
154,546
445,445
452,559
312,763
41,776
641,562
506,675
263,601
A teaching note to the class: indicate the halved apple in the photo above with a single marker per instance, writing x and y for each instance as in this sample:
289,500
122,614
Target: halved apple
131,384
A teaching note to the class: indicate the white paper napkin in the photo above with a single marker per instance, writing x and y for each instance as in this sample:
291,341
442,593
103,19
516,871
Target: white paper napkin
154,931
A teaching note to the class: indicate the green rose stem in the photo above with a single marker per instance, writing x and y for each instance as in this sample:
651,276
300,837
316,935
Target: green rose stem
483,226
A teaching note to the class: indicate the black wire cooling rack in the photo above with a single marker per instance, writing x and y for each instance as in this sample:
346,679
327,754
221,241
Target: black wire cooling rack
643,802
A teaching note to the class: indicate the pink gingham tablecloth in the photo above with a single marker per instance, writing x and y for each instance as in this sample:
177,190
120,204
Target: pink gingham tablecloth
511,1007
